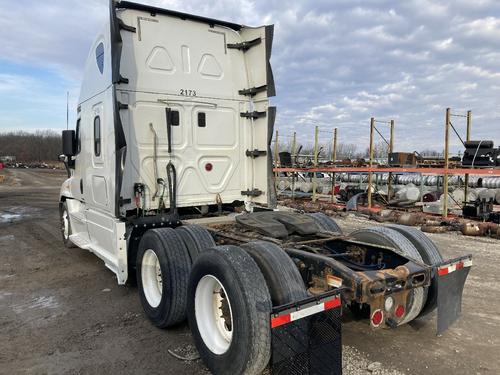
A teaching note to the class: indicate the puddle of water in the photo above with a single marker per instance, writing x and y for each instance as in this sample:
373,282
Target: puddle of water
17,213
9,218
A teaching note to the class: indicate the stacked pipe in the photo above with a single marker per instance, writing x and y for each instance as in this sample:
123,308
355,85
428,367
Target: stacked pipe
482,187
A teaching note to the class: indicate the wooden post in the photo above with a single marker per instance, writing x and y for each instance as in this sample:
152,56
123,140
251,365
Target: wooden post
294,158
316,130
334,149
334,160
372,129
446,162
276,159
467,138
391,150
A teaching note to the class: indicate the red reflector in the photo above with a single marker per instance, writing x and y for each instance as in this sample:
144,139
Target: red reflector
460,265
332,303
443,271
209,167
377,317
400,311
280,320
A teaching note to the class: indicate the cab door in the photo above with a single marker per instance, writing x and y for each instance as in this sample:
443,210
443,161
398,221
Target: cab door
98,207
98,176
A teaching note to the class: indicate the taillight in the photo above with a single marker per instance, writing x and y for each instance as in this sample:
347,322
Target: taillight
400,311
209,167
377,318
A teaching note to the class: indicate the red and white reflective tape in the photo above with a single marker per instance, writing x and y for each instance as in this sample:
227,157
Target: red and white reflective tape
280,320
445,270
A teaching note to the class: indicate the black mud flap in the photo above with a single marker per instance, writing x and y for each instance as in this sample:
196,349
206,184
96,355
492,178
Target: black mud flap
451,276
306,337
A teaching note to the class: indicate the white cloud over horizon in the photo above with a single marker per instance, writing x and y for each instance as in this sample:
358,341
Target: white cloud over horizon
336,64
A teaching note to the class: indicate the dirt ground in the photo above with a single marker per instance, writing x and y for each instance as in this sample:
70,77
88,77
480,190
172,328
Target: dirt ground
62,312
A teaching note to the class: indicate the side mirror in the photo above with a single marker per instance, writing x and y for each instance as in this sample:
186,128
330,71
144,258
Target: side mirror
69,142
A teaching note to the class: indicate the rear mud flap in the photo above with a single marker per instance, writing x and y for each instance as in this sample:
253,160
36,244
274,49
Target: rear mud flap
451,276
306,338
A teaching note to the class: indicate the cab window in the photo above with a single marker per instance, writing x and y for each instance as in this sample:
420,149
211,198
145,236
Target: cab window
97,136
78,139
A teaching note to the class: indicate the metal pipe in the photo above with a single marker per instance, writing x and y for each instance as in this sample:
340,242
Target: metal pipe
155,159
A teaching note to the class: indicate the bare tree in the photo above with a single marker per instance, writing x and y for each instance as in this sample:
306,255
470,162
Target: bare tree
325,149
380,150
42,145
429,152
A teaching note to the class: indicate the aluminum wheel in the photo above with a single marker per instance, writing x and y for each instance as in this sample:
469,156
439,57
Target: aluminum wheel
151,278
214,316
65,224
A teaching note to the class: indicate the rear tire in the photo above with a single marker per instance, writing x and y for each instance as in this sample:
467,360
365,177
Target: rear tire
326,223
426,248
389,237
282,276
66,230
196,238
430,255
163,267
229,309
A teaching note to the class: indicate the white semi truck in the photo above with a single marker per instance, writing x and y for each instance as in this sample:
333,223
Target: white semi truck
173,131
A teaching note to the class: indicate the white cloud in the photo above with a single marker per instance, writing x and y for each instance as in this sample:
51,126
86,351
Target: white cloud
336,63
443,45
485,28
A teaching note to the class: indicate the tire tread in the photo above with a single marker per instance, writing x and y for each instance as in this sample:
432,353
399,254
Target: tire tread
325,222
255,295
178,268
282,276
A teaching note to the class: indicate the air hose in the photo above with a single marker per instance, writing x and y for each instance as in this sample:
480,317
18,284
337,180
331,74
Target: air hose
172,187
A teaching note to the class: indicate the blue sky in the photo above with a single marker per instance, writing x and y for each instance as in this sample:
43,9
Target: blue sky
336,63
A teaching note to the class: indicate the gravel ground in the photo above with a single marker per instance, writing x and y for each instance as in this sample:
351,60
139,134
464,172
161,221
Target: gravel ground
61,311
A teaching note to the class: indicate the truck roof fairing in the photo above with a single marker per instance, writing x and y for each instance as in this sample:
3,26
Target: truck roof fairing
184,16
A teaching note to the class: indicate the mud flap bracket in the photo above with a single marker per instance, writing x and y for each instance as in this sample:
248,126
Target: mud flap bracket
306,336
451,276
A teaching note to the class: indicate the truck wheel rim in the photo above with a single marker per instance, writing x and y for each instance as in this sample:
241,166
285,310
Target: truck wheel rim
65,223
152,283
214,315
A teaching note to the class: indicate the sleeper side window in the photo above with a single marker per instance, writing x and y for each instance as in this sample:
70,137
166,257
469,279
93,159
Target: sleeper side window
99,56
97,136
78,139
